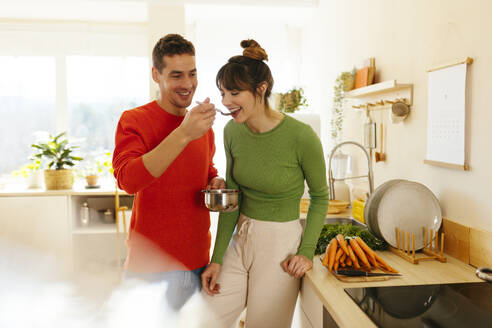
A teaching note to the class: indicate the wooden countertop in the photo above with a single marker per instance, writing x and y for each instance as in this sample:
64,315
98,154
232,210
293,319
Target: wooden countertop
347,314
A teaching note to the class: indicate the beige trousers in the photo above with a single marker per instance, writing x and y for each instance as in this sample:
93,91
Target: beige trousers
251,276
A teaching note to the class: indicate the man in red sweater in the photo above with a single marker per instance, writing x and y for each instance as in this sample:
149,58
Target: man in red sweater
163,155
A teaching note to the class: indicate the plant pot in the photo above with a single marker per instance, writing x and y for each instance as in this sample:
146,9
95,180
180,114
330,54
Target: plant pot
348,83
58,179
35,179
91,180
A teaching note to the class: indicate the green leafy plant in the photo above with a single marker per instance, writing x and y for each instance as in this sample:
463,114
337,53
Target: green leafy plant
341,86
57,152
98,164
25,169
330,231
291,101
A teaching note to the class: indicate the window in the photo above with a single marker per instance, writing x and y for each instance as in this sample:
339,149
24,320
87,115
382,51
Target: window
99,89
27,104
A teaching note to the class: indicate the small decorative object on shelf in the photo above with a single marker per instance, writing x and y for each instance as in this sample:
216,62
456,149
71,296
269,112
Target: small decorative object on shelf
365,75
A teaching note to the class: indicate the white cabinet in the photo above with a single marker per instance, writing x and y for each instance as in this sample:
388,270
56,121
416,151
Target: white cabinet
311,305
47,224
99,247
316,315
37,223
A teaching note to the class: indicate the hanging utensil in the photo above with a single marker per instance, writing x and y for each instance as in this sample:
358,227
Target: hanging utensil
379,155
369,132
399,111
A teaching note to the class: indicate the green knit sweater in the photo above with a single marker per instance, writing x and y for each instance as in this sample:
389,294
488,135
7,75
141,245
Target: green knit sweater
270,168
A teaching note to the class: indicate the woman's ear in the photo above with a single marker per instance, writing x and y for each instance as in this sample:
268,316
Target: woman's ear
261,89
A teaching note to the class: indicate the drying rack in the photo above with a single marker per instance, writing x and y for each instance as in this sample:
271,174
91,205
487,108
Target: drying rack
430,252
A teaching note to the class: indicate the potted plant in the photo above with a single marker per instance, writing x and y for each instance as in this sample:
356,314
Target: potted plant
58,154
95,166
343,83
31,172
291,101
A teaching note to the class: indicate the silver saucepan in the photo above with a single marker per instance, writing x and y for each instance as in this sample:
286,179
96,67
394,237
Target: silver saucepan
484,274
221,200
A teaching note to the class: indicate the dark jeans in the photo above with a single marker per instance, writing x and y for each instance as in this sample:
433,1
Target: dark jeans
180,285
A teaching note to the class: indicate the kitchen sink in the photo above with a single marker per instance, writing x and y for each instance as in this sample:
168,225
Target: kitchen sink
347,220
340,220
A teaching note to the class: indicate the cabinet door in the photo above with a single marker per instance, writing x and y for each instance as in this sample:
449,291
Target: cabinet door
311,305
39,223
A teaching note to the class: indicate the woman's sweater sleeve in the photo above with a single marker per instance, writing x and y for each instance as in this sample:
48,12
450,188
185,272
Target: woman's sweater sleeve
312,162
227,220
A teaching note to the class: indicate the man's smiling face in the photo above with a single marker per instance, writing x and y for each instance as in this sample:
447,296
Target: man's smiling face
177,80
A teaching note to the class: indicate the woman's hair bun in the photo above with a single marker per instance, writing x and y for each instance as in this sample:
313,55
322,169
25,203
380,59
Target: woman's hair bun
253,50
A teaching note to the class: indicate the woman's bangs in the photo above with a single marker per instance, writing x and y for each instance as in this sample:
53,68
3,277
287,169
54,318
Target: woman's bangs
231,77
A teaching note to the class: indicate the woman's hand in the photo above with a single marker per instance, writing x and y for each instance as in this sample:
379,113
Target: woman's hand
209,279
297,265
216,183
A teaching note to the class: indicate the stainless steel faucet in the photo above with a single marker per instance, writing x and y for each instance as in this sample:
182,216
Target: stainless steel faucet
369,176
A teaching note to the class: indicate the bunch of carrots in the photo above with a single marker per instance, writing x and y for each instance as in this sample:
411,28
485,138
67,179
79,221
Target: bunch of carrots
354,253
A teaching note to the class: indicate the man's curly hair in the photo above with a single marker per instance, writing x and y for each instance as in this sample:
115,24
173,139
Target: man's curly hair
170,45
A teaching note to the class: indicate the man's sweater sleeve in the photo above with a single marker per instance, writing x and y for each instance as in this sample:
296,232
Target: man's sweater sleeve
129,169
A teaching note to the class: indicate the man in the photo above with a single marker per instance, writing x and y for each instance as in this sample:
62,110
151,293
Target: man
163,155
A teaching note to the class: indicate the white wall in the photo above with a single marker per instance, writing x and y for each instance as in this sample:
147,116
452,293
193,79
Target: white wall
406,38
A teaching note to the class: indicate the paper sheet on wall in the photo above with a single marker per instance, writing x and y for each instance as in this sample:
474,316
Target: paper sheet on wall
446,115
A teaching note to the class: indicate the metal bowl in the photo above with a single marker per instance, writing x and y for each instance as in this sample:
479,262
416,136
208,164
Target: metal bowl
221,200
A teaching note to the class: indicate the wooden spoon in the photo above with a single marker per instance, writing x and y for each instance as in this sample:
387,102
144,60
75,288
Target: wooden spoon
380,156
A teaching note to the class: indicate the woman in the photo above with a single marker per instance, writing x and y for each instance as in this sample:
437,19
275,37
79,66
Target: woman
269,155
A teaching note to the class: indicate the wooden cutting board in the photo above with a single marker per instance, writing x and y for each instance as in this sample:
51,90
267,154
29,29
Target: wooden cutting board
360,279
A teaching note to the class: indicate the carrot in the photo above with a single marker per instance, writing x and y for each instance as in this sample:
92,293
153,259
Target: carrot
359,252
368,251
348,261
338,255
335,267
343,243
386,265
333,249
327,255
353,258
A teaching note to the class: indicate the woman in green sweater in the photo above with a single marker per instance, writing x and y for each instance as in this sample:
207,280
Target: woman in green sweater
269,155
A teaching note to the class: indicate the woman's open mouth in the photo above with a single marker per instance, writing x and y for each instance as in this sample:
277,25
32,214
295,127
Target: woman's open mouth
235,111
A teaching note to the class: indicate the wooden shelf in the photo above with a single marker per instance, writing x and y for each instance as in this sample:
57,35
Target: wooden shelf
378,88
95,229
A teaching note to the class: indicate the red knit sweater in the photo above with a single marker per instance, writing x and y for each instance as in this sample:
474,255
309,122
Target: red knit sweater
169,228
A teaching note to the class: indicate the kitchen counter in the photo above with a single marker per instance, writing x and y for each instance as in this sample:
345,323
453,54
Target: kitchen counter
346,313
78,190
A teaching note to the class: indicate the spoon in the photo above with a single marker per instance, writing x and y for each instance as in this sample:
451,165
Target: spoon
216,109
